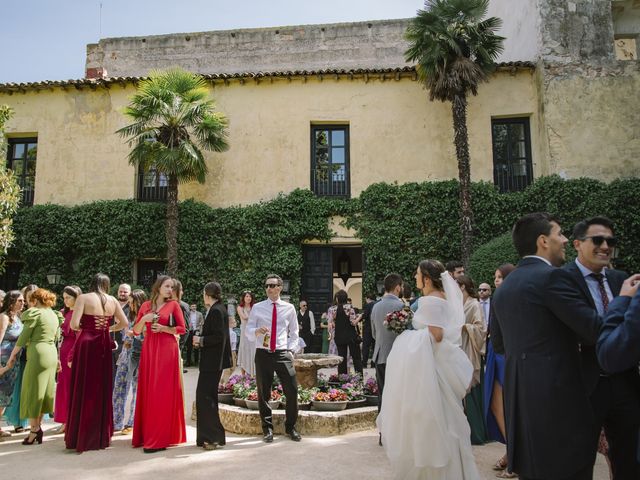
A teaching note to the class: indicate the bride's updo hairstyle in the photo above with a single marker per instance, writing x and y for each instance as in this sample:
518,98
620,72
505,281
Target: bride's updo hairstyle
432,269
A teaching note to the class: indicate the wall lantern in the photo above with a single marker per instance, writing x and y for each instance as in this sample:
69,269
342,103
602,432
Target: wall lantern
54,277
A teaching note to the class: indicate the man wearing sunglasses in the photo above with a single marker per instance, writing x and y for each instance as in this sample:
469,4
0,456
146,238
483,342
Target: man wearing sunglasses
273,324
614,398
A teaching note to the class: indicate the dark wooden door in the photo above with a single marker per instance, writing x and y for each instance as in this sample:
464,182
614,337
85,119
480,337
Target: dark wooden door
317,286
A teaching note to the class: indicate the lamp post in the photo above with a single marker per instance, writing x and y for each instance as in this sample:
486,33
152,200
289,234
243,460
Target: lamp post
286,284
54,277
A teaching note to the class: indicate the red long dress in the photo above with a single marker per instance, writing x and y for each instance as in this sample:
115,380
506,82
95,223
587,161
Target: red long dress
159,417
64,376
90,415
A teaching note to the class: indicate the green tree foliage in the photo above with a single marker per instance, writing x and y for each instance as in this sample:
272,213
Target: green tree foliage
455,50
173,119
9,191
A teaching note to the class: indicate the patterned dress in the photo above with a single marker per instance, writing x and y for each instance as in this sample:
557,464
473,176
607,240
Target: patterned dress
8,380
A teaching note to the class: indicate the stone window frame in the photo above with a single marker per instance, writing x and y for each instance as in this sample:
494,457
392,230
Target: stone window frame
146,270
505,171
320,184
26,180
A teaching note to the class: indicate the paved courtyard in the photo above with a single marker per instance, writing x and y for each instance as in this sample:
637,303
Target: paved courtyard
355,455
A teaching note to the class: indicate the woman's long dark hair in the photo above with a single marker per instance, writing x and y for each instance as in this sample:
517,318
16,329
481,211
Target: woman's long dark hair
138,297
9,302
73,291
155,289
100,284
468,285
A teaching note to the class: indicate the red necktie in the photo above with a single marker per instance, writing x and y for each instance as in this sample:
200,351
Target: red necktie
274,323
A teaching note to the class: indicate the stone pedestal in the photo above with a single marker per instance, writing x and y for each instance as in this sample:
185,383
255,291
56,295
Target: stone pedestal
307,365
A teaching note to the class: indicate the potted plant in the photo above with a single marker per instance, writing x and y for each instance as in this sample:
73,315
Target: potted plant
355,394
370,391
304,398
225,393
252,400
243,384
332,400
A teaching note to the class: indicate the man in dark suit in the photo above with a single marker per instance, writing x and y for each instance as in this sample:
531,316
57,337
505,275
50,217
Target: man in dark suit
540,319
619,343
614,398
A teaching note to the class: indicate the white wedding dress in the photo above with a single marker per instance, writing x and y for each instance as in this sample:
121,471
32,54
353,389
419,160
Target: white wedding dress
424,429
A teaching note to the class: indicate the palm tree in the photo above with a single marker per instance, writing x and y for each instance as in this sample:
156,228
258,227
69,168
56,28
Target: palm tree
173,119
455,51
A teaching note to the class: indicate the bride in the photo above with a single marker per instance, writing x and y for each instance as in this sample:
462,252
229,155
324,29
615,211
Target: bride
423,426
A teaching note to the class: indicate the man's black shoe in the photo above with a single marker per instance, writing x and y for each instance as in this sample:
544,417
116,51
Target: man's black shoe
380,439
268,436
294,435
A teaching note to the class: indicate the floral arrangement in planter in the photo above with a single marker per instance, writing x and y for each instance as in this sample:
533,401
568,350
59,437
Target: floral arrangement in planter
242,385
225,388
371,387
253,396
332,395
343,378
322,381
354,391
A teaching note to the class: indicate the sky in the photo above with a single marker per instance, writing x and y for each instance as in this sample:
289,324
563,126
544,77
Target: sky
46,39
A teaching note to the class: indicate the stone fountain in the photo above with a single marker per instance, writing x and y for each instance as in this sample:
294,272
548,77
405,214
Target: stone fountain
307,365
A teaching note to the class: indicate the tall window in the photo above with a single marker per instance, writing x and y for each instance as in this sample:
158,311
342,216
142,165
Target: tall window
152,186
21,158
512,165
330,160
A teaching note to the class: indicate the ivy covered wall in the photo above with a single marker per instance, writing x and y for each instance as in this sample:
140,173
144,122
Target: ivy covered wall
398,225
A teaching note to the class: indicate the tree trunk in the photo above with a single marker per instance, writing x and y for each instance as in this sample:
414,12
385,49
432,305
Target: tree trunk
461,142
172,226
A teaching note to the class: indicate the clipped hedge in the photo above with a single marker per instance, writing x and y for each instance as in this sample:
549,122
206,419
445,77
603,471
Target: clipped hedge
398,225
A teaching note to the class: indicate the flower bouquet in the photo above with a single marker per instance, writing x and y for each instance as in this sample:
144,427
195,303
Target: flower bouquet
399,321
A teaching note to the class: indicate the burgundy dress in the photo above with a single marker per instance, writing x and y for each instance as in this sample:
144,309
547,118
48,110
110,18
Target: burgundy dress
64,376
159,418
90,417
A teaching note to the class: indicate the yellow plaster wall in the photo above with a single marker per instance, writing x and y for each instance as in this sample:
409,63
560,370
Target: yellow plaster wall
396,135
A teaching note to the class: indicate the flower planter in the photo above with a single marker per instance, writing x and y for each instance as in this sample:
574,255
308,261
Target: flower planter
240,402
371,400
357,403
329,406
225,398
301,406
253,404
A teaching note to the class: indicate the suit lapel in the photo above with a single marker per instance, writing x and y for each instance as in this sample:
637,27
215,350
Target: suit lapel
573,269
614,281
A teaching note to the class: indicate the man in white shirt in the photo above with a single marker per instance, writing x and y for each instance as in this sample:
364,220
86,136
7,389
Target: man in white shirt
273,324
484,292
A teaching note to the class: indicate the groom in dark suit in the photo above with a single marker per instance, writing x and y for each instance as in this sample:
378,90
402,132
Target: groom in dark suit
615,398
540,320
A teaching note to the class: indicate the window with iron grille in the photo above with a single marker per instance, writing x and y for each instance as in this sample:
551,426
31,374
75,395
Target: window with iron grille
512,164
21,158
152,186
330,175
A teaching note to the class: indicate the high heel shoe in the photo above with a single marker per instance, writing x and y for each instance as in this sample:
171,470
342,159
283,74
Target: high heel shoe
37,438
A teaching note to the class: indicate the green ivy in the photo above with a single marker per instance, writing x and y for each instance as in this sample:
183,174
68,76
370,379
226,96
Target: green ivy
238,246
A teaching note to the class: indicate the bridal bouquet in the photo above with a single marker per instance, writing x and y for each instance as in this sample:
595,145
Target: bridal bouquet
399,321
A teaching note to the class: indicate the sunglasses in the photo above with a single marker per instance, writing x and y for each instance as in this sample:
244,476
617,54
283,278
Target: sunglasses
600,239
483,289
271,285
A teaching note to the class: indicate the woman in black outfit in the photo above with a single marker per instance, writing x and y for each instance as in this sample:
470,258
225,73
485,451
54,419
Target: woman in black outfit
215,356
343,317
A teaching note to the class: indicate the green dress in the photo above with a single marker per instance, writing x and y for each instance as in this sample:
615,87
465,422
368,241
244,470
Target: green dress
41,330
